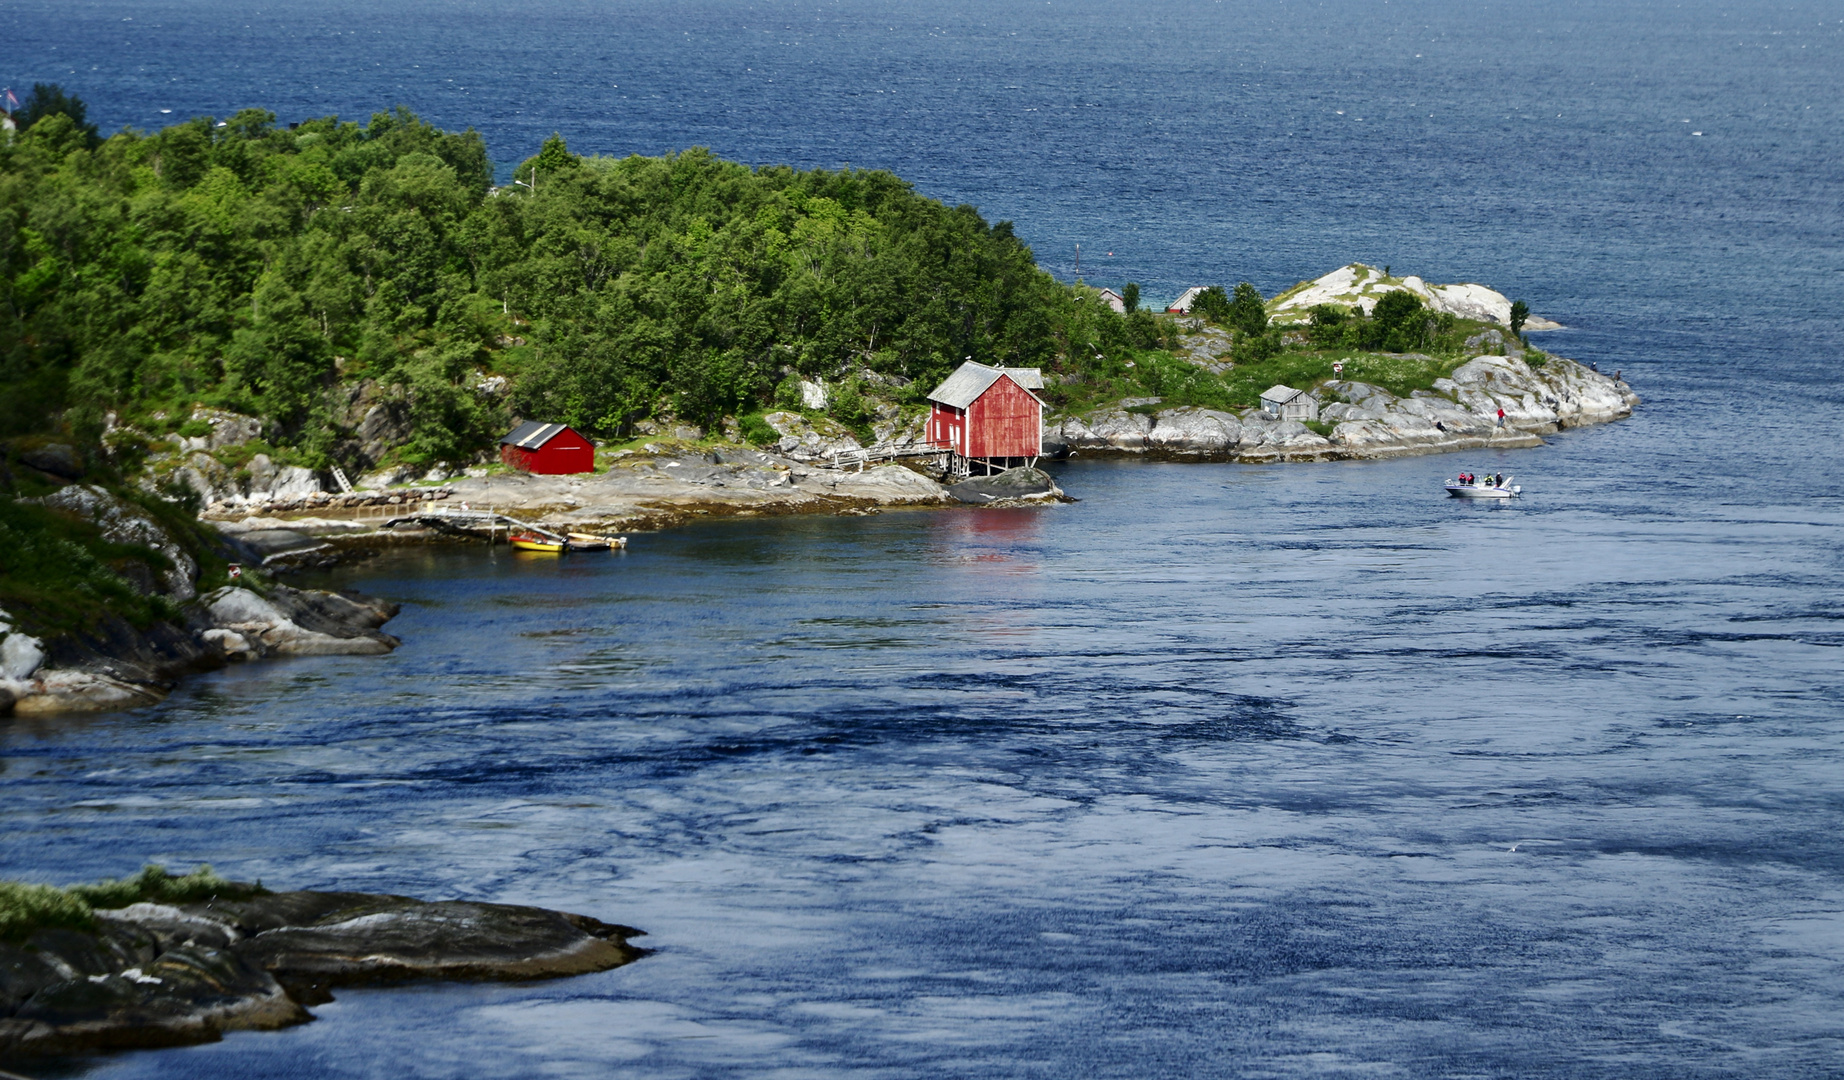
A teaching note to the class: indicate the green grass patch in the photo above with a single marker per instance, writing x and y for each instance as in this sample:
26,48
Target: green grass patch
27,908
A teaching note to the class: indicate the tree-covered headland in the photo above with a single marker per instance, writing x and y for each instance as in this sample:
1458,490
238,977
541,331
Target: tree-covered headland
287,272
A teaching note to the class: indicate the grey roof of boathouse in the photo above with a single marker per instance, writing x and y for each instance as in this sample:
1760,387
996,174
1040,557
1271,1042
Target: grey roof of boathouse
532,434
972,379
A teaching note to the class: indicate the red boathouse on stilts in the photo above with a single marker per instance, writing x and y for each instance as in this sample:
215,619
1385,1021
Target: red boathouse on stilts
988,416
547,449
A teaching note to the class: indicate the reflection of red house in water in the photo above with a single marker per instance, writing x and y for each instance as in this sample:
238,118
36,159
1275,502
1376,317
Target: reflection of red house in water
547,449
988,415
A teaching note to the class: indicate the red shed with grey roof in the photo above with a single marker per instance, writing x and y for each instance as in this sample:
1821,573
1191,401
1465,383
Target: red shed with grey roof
989,415
547,449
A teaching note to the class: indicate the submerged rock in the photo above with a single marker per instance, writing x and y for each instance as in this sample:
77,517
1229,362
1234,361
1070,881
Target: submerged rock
153,974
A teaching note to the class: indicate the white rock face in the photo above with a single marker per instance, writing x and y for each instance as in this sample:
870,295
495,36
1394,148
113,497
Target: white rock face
20,656
125,523
813,395
1362,286
271,481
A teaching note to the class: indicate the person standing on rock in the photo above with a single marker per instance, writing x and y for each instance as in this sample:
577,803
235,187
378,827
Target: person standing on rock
1501,418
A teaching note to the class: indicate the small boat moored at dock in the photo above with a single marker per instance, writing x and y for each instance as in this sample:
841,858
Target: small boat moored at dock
592,542
533,542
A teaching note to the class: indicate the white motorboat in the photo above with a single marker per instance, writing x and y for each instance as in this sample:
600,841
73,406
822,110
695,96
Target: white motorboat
1483,487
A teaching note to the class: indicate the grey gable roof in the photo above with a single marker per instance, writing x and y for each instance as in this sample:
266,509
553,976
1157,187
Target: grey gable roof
532,434
1280,394
971,379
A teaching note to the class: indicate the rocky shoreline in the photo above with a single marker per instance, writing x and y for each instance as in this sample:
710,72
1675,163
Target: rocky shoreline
157,974
1360,421
669,482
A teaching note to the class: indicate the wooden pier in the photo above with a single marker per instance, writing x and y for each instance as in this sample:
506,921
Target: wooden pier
487,524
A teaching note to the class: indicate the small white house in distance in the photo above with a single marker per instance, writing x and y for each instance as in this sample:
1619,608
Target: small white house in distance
1182,305
1114,300
1286,403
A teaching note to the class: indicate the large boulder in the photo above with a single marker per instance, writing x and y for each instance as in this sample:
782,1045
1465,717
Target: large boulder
228,428
20,655
1264,438
1012,485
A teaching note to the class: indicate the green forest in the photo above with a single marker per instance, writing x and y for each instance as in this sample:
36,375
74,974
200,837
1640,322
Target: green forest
267,270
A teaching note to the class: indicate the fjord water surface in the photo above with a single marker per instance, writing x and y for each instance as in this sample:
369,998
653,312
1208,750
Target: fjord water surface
1224,770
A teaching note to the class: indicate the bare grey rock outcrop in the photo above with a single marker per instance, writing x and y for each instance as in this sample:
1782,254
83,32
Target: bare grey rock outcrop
115,665
240,625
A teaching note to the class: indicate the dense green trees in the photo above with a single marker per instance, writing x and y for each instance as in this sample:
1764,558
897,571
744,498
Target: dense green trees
284,272
1211,304
49,99
1247,312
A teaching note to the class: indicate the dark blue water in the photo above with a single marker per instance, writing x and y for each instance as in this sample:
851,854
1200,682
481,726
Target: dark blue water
1235,771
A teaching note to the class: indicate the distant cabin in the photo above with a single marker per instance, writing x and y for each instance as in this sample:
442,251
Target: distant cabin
988,415
547,449
1114,300
1286,403
1183,305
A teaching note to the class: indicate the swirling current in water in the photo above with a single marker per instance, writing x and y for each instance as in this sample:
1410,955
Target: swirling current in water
1223,770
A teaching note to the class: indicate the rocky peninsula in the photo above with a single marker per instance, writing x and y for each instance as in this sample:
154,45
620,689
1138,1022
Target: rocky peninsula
206,956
